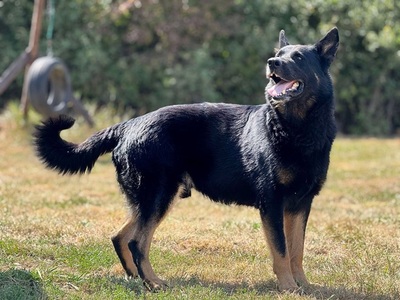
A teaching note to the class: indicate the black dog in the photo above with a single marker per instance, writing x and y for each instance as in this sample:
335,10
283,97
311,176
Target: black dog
273,157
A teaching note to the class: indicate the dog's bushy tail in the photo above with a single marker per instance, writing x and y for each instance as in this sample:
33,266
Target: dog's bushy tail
69,158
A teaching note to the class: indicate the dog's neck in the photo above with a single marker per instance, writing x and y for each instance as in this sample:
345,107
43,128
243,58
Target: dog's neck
292,111
294,124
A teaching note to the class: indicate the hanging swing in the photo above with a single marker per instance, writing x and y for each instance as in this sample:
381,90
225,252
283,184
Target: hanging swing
49,87
49,82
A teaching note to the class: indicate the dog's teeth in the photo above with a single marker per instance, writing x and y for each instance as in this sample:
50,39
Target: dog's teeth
284,92
295,85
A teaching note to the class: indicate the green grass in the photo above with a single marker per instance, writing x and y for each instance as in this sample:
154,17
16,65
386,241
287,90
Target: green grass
54,231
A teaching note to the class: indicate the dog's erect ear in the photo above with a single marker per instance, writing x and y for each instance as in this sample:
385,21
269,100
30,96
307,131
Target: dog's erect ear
328,45
282,39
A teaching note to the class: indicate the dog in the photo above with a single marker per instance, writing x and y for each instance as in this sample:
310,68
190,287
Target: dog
273,157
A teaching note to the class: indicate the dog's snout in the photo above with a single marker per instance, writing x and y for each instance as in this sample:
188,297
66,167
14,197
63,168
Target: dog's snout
274,62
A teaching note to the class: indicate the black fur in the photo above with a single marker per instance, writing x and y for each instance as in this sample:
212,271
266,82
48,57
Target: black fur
68,158
273,157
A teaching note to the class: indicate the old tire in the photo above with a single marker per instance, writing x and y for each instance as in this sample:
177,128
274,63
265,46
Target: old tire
49,86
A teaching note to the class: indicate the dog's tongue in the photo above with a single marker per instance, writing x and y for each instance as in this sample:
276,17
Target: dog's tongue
278,88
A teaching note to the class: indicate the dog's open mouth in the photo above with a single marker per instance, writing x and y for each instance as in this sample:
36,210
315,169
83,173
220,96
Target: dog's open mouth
283,88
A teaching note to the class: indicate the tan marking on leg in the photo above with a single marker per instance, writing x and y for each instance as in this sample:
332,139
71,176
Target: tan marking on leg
144,236
281,264
122,237
294,232
141,242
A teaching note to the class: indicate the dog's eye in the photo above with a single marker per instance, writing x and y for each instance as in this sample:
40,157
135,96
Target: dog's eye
297,56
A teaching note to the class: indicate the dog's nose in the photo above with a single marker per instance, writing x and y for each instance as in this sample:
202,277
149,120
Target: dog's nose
274,62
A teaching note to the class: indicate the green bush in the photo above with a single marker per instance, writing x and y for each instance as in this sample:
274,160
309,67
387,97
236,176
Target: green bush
146,54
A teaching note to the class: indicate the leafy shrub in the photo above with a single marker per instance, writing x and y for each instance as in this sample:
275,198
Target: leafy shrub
146,54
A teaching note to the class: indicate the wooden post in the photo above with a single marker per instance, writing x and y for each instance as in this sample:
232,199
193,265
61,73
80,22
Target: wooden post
13,70
32,50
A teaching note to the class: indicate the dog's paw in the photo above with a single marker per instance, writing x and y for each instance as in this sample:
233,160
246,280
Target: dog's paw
288,286
130,276
155,285
301,280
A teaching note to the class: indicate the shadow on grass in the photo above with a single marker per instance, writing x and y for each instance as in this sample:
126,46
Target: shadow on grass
19,284
133,284
265,288
270,288
341,292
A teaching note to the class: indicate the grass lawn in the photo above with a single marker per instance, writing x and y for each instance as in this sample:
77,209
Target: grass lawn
55,231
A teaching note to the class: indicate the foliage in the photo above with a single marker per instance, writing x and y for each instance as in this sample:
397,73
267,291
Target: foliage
144,54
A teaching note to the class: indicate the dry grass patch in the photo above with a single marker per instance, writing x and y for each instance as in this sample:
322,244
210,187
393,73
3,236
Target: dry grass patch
54,231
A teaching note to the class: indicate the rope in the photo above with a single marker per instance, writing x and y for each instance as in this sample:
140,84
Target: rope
50,26
49,83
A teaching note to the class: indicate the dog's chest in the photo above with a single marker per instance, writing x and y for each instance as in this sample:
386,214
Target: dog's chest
297,174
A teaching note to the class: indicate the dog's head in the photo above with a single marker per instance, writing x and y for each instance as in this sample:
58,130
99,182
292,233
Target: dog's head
299,72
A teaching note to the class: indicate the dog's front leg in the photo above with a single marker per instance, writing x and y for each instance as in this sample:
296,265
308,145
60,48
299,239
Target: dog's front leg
295,226
272,221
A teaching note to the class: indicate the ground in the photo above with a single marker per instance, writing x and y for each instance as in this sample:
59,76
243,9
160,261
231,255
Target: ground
55,230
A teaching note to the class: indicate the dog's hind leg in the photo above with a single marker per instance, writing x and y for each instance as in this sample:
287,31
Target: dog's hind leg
120,241
273,228
140,248
295,225
151,202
